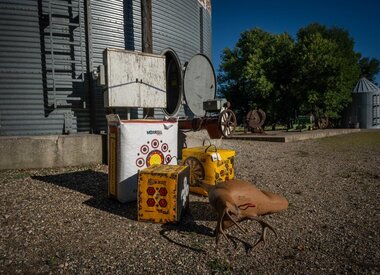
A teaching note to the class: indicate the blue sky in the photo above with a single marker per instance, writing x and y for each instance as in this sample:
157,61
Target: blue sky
360,18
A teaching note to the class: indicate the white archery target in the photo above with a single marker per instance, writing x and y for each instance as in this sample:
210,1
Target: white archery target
142,144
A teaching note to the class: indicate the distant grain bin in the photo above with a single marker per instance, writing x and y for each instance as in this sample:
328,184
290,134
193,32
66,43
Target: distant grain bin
365,108
50,50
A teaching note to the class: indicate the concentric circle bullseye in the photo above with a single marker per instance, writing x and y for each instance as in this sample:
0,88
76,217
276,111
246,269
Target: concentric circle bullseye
155,143
140,162
154,157
144,149
164,147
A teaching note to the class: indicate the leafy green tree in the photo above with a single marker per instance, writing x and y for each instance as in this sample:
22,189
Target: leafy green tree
252,73
328,69
282,74
314,73
369,68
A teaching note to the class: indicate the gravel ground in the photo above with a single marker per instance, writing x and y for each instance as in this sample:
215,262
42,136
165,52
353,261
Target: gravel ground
60,220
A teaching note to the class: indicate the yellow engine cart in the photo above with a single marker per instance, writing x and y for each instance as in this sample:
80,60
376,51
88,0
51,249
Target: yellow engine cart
210,164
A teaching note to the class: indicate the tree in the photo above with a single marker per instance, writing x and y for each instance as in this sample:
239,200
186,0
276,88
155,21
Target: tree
252,72
328,69
369,68
282,74
314,73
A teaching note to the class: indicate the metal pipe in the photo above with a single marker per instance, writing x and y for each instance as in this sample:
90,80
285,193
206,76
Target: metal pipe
80,38
52,54
90,66
211,124
147,36
147,39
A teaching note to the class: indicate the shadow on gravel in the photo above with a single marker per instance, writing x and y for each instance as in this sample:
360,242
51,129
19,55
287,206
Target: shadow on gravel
199,211
189,226
94,184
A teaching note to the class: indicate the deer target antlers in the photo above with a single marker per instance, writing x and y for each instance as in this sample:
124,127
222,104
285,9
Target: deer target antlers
235,201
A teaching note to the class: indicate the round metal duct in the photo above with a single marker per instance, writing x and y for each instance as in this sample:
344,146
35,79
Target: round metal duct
199,83
173,82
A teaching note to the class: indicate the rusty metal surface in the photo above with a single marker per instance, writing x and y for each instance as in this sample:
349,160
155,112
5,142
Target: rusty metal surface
197,124
219,126
323,122
255,118
197,172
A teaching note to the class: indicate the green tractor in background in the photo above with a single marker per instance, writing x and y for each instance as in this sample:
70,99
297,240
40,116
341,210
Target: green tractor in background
309,122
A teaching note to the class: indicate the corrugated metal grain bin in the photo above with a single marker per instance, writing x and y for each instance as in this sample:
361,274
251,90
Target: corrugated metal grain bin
50,49
365,107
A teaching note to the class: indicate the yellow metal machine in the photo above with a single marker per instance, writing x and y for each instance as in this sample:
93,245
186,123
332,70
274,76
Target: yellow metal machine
210,164
163,193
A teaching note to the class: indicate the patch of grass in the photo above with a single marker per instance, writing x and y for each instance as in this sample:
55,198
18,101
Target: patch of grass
361,140
52,261
220,266
368,174
293,206
303,154
14,175
21,175
278,127
239,129
345,174
360,173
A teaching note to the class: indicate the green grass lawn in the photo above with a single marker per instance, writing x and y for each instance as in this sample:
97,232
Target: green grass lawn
360,140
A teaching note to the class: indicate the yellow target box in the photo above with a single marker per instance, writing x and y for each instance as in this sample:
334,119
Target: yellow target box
163,193
209,163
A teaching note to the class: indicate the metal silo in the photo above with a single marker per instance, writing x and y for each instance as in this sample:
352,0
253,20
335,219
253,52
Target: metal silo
365,108
50,49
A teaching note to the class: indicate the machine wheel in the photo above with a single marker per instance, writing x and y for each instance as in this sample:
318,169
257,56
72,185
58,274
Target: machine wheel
197,171
323,122
255,119
227,122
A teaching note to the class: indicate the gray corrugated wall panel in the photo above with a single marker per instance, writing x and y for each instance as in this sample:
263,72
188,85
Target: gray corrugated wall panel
176,26
207,34
12,32
115,24
22,105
